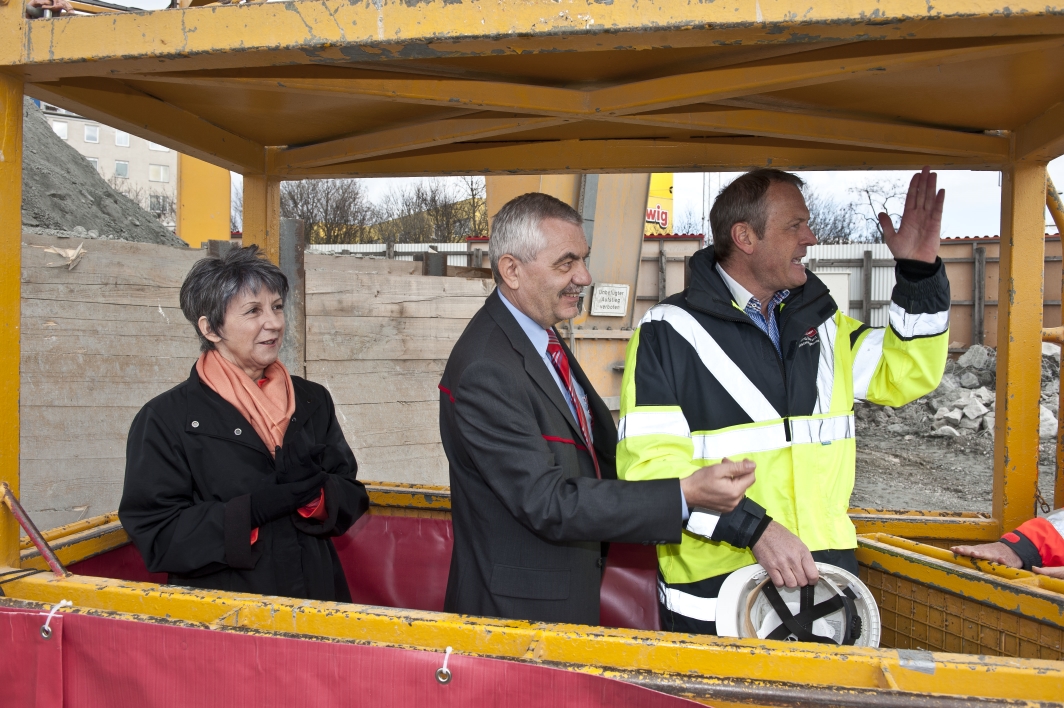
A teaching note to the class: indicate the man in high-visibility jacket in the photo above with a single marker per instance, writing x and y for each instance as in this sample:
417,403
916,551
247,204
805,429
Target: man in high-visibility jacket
755,361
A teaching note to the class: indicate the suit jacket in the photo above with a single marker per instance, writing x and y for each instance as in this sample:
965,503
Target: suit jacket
529,515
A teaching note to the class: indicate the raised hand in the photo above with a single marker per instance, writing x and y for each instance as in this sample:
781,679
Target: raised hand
917,238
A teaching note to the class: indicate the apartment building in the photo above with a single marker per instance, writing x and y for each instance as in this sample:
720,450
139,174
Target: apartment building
142,170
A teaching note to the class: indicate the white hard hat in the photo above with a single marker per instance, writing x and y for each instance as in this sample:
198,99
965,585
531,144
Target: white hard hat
839,609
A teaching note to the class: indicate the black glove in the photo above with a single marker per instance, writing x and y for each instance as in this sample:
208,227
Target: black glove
298,460
280,500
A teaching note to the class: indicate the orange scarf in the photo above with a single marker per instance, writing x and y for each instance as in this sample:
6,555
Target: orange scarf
268,408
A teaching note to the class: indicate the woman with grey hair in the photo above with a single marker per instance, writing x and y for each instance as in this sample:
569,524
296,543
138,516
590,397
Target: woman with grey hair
237,478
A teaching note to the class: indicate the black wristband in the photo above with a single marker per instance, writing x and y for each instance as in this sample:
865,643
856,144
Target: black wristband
1025,549
760,530
915,271
739,525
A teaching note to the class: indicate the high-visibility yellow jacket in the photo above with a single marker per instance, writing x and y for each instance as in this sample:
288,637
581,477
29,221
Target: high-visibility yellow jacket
703,382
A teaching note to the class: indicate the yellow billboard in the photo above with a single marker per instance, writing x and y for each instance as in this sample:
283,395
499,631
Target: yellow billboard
659,205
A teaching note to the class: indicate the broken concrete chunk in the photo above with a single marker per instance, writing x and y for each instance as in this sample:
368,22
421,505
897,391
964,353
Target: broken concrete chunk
971,423
988,422
976,357
954,416
1051,350
942,412
1047,423
975,409
946,432
984,394
969,380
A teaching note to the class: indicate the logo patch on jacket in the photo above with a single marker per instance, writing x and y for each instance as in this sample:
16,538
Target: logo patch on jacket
810,338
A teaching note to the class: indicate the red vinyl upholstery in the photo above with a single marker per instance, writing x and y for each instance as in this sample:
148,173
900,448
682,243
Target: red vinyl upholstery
629,593
123,563
403,561
397,561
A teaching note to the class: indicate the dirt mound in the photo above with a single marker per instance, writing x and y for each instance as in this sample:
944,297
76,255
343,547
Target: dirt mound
938,451
62,192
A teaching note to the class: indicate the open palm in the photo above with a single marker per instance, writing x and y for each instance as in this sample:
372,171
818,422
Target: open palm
917,238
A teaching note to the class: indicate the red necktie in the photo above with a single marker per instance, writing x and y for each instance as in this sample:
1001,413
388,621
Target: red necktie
561,364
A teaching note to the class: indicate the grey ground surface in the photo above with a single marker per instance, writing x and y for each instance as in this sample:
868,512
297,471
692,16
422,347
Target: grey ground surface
61,192
906,460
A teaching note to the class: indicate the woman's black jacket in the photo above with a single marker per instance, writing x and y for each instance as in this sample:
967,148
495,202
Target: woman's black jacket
191,463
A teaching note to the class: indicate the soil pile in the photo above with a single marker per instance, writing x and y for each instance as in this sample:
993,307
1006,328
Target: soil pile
937,452
62,195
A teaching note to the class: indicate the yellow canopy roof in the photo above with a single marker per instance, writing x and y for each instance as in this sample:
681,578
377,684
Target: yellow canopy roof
335,88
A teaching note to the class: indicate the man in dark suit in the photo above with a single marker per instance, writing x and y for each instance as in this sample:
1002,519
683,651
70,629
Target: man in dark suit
531,446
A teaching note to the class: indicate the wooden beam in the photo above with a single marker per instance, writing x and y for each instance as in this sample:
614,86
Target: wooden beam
1042,139
407,138
602,156
836,64
341,32
429,91
121,106
832,130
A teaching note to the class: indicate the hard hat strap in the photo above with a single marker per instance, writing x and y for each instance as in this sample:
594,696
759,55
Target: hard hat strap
801,624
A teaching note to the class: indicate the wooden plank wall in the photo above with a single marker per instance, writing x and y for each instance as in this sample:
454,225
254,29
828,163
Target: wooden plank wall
98,342
958,255
378,340
101,340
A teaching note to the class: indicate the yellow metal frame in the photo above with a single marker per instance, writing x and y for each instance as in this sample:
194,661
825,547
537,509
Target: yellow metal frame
324,88
706,668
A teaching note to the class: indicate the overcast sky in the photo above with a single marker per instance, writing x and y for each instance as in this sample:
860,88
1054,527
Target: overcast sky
973,199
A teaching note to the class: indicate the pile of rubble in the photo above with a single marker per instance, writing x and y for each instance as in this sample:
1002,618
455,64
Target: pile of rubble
64,196
964,402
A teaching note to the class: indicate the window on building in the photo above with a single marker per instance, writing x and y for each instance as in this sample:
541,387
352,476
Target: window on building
60,128
92,133
121,168
158,173
158,147
121,138
159,203
94,162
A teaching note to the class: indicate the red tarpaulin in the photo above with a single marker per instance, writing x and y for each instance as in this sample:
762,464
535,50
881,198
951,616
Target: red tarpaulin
97,661
403,561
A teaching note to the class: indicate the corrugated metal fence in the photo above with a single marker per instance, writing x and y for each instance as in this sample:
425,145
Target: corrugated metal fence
850,258
458,252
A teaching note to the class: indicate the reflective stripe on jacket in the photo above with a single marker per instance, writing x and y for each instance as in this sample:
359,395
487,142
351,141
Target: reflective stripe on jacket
702,382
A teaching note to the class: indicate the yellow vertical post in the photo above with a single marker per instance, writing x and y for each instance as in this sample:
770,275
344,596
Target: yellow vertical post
204,195
1056,210
1019,357
262,214
10,299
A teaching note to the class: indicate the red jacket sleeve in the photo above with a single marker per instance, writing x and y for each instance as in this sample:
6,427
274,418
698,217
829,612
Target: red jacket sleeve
1038,543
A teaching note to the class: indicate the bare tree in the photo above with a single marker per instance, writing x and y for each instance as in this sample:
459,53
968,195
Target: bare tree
431,210
236,207
400,217
877,196
688,224
333,211
128,188
831,221
476,194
